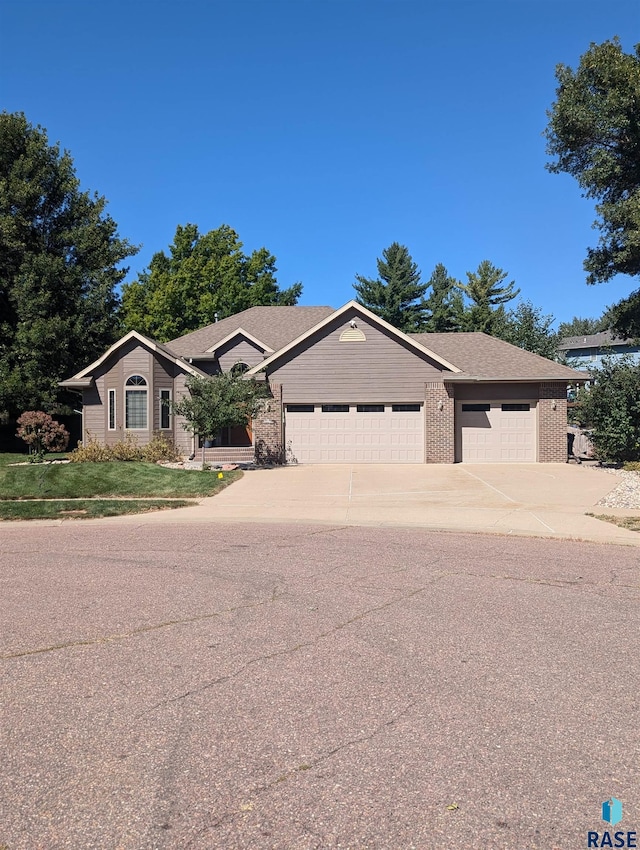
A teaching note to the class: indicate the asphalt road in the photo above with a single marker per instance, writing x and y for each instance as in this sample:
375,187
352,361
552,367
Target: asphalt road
244,686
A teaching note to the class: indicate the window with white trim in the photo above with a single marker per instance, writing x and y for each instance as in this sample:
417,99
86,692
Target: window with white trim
136,404
112,410
165,409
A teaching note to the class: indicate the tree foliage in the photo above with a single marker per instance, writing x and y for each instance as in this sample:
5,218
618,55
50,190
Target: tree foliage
594,133
444,307
486,292
611,407
42,433
203,274
222,401
527,327
581,327
397,294
60,258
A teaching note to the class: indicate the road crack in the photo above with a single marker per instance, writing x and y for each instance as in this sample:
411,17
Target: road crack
104,639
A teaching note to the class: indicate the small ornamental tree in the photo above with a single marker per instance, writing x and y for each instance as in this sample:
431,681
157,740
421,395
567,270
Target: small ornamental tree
42,433
223,401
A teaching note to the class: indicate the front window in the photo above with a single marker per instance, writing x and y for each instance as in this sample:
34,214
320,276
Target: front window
165,409
136,403
112,410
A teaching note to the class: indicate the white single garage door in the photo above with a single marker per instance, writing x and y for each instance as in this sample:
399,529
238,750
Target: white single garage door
496,432
354,433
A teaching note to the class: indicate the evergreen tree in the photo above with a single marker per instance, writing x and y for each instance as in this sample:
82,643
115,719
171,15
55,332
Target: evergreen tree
444,306
60,257
397,295
202,275
486,294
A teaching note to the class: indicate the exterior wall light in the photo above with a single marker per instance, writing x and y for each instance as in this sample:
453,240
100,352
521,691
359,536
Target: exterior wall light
440,405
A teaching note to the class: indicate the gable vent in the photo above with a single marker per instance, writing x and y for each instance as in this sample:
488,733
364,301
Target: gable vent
352,335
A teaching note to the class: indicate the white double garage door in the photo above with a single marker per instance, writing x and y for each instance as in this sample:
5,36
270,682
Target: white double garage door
486,432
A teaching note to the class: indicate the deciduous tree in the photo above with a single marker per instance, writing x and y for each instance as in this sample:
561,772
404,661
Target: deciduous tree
527,327
222,401
594,135
581,327
60,264
203,275
611,407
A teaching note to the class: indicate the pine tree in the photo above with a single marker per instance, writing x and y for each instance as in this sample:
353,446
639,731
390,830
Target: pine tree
444,305
486,294
397,295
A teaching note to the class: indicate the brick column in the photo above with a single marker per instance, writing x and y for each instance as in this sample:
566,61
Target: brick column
267,428
552,423
440,432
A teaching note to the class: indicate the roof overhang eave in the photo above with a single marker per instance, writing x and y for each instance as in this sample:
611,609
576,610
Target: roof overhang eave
80,384
522,379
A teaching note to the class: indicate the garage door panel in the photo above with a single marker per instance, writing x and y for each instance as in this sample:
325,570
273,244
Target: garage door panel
496,435
355,437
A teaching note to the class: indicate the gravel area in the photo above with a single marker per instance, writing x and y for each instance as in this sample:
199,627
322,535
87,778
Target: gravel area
626,494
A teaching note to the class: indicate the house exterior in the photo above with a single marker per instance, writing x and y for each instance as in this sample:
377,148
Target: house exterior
344,387
585,352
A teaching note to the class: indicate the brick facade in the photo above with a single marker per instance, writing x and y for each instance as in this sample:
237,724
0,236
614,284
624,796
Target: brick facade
552,423
267,429
440,432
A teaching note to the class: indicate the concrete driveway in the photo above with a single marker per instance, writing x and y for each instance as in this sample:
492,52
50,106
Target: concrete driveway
548,500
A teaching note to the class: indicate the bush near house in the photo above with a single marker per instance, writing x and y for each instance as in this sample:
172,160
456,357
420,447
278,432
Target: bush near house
41,433
611,408
157,449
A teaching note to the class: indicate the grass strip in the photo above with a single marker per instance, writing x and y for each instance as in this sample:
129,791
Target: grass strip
630,522
85,509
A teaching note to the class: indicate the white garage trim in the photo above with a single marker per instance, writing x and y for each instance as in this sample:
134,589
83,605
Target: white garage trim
354,433
503,431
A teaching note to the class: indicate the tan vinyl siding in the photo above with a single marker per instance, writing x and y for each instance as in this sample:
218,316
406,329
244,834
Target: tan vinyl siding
239,350
137,361
490,392
380,369
183,438
93,407
163,378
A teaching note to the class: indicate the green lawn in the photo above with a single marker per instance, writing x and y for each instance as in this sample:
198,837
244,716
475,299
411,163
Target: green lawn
116,478
84,508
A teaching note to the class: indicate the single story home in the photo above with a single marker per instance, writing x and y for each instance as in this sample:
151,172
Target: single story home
345,387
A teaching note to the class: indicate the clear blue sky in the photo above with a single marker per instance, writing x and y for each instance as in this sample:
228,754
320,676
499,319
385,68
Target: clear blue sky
324,129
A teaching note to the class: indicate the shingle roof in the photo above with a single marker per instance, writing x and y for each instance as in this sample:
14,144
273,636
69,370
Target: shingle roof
599,340
483,356
274,326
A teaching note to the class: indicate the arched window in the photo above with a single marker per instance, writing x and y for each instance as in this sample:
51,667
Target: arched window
239,369
136,403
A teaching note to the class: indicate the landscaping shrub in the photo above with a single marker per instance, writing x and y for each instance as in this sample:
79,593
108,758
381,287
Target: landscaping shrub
611,408
41,433
159,448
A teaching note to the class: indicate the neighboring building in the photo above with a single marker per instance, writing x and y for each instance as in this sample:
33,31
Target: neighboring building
345,387
584,352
